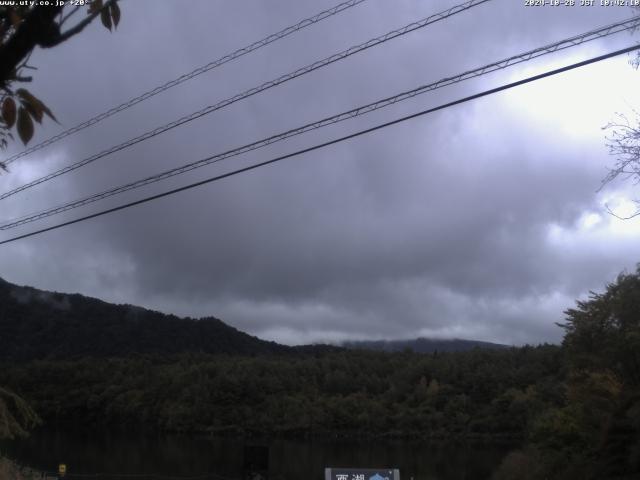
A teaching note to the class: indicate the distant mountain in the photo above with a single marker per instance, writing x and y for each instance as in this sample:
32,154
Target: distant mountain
37,324
422,345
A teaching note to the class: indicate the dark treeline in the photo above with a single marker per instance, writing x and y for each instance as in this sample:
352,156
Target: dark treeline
475,393
422,345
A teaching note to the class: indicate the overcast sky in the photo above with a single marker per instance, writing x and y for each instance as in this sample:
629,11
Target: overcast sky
482,221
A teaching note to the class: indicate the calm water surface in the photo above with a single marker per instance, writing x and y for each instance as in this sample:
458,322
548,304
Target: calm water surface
190,456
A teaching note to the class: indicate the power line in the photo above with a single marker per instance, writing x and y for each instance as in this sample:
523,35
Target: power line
318,17
331,142
255,90
362,110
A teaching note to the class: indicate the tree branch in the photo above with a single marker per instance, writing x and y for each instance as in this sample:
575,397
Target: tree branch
620,217
69,15
81,25
38,26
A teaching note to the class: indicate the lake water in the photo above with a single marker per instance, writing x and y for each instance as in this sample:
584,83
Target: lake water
191,456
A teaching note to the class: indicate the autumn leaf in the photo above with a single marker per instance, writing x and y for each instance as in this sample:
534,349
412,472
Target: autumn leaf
9,111
26,96
105,18
48,112
35,106
25,125
35,113
32,105
115,14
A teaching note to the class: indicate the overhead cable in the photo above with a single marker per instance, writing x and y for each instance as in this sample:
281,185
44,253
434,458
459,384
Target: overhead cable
328,143
359,111
253,91
318,17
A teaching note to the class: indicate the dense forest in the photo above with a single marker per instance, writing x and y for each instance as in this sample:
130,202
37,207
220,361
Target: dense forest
347,393
573,409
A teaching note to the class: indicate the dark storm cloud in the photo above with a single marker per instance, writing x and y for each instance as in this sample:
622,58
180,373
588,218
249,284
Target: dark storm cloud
436,227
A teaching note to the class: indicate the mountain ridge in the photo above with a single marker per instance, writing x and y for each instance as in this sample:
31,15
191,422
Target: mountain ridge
422,345
44,325
39,324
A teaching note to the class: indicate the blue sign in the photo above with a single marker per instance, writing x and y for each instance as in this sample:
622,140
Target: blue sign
361,474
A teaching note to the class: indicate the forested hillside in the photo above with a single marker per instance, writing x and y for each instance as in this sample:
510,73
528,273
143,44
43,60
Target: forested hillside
36,324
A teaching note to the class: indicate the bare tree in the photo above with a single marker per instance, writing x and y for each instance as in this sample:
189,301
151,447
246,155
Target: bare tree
624,144
623,141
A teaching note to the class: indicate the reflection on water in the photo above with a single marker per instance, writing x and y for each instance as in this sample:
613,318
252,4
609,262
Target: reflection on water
189,455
